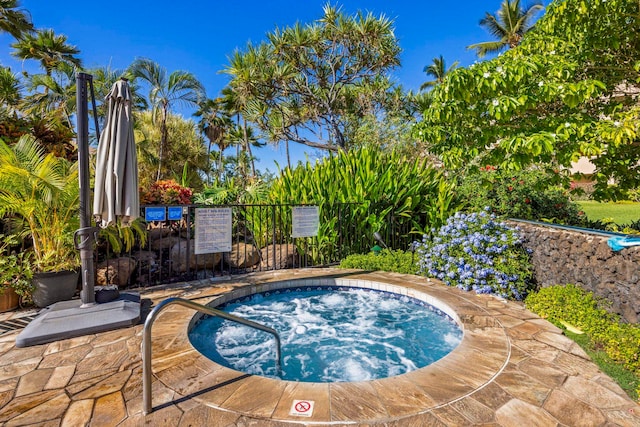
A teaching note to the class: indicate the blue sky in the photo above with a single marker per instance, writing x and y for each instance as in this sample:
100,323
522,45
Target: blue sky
199,35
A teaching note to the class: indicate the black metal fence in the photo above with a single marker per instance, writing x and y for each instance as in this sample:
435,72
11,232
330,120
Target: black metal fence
261,240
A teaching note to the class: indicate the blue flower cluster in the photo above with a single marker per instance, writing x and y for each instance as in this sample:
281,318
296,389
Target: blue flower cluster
477,252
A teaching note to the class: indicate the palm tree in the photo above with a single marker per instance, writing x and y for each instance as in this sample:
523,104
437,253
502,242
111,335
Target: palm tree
215,125
419,102
48,48
235,103
57,93
49,107
166,91
243,137
509,25
103,80
438,71
10,88
13,20
39,193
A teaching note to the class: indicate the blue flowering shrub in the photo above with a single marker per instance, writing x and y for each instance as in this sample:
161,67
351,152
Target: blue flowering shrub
477,252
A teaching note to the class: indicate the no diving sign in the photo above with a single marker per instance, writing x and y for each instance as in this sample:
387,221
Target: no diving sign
302,408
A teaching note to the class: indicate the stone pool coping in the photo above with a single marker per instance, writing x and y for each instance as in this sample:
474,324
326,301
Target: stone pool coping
96,379
482,356
368,401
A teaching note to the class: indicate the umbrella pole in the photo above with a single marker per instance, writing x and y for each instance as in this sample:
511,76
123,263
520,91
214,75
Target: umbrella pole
85,237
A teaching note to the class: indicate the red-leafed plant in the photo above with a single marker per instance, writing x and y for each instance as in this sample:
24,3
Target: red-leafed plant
166,192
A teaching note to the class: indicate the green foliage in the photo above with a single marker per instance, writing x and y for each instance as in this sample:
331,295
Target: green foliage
533,194
391,132
633,195
508,25
15,20
367,191
609,224
561,94
573,305
387,260
39,195
233,191
185,157
51,130
50,49
167,90
477,252
307,83
437,69
570,304
252,218
15,268
123,239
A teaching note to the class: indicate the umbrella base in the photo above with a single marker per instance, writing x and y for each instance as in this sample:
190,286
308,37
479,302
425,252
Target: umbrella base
67,319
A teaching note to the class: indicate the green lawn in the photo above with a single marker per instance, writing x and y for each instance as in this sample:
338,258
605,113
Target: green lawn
622,213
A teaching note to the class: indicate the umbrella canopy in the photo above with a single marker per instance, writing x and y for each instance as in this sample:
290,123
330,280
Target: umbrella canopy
116,182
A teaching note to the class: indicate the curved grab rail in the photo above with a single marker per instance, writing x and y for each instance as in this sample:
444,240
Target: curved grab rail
146,339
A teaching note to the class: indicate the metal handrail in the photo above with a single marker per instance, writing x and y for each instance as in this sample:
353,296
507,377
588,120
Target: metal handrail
146,339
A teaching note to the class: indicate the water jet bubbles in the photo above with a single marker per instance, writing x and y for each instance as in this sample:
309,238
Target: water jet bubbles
353,335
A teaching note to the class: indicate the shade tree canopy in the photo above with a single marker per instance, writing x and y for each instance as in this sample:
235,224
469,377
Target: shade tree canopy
568,90
305,83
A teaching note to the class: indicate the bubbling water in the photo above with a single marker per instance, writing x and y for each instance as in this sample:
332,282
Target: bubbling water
329,335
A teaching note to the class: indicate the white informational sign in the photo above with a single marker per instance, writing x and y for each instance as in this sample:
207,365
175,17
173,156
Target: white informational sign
213,230
306,221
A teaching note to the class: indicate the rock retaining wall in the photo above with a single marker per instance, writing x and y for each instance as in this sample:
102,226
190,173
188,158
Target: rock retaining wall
561,256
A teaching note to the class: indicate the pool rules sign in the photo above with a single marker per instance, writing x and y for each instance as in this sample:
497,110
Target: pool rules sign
213,230
306,221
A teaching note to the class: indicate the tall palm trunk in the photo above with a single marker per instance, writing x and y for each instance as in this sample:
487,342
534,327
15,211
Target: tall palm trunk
220,163
288,155
163,141
210,165
248,145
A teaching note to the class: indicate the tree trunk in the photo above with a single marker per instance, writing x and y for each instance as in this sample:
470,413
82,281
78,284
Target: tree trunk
209,162
163,141
288,155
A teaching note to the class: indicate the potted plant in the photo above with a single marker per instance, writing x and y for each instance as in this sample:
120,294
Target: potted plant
39,196
15,275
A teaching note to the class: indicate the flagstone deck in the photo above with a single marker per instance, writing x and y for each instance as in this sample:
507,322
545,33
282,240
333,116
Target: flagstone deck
512,369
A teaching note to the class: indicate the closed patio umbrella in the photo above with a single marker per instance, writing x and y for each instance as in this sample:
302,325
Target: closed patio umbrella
116,195
116,181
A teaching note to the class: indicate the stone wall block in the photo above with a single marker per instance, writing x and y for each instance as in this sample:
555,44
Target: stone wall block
115,271
242,255
563,256
179,260
603,251
165,243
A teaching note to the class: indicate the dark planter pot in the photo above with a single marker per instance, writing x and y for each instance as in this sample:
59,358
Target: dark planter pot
9,299
54,287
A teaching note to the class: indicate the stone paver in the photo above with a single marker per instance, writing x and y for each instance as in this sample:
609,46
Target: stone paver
573,412
517,413
511,369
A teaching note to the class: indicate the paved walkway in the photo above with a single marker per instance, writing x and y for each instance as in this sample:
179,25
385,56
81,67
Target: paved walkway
512,369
